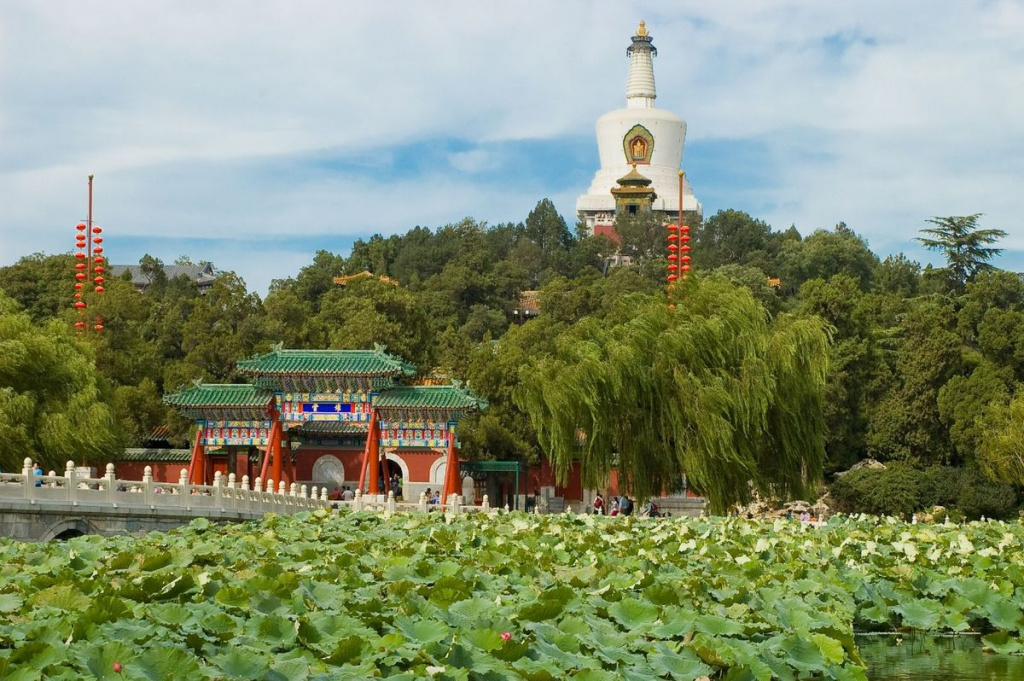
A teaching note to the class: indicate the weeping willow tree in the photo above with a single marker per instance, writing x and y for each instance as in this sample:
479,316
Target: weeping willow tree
714,389
50,403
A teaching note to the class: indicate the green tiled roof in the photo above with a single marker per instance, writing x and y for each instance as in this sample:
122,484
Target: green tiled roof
429,397
154,455
203,395
328,362
329,428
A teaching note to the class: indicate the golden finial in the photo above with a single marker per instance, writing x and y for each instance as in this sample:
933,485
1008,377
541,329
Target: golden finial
641,30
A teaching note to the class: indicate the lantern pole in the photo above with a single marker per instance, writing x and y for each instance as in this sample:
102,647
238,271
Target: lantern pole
89,266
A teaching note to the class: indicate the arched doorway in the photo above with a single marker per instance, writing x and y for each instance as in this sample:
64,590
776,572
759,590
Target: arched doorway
328,469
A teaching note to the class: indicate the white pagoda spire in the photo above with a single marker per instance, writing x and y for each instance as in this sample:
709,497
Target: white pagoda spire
640,91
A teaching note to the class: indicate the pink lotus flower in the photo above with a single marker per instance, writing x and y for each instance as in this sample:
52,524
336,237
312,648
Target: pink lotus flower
117,667
505,636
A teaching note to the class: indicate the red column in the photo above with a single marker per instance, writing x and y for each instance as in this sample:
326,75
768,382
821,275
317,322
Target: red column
452,476
197,466
371,455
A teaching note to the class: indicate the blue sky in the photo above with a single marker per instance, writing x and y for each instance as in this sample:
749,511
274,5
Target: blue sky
253,134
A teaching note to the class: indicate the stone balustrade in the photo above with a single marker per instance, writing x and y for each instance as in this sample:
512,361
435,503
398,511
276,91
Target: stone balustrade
225,494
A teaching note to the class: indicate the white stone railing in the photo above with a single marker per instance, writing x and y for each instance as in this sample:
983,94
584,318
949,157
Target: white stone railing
388,504
226,493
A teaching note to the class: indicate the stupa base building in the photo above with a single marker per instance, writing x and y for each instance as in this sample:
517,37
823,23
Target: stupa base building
639,143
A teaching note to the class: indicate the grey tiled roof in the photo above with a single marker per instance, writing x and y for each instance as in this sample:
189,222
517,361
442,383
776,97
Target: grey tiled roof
200,274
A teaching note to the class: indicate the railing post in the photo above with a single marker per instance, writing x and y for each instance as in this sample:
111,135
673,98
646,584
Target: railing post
29,485
486,506
147,484
231,481
357,504
183,491
69,477
245,483
423,502
111,485
304,493
323,494
294,490
392,506
218,490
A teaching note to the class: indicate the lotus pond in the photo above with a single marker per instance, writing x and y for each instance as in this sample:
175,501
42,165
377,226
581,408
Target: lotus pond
357,596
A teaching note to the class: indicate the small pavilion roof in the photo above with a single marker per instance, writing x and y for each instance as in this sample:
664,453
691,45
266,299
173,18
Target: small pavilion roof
220,395
328,363
430,397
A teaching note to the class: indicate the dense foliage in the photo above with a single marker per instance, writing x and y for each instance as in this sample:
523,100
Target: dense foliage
924,366
51,406
902,490
358,596
714,390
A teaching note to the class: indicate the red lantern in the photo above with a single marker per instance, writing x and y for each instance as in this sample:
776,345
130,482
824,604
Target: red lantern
672,277
672,256
98,269
78,286
684,238
98,250
80,226
78,296
80,305
673,247
672,228
97,229
673,267
98,280
79,325
80,255
99,289
685,258
684,228
98,327
685,268
673,237
80,276
98,240
685,249
80,266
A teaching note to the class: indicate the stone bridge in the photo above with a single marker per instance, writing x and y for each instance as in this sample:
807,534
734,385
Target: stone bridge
44,507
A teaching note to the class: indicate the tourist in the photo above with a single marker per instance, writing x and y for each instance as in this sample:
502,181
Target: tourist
347,494
626,505
598,504
615,508
437,497
37,471
335,494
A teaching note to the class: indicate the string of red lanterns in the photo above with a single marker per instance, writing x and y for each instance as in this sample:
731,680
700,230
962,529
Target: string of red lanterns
90,262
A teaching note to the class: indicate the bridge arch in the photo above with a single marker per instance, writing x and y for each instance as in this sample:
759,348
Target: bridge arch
66,529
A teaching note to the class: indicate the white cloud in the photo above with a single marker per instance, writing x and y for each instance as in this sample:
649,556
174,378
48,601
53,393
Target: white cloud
877,113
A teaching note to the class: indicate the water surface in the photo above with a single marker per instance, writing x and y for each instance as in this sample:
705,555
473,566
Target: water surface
936,658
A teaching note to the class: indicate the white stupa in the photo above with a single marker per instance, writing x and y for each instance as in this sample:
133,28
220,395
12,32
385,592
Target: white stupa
642,136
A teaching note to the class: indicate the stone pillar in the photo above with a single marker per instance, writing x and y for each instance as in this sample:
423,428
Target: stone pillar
231,481
147,484
423,502
486,504
392,506
245,482
293,490
110,477
357,505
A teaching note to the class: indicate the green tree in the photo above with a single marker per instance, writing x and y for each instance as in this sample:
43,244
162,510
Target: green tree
966,248
824,254
713,389
368,311
41,284
1001,451
732,237
51,405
